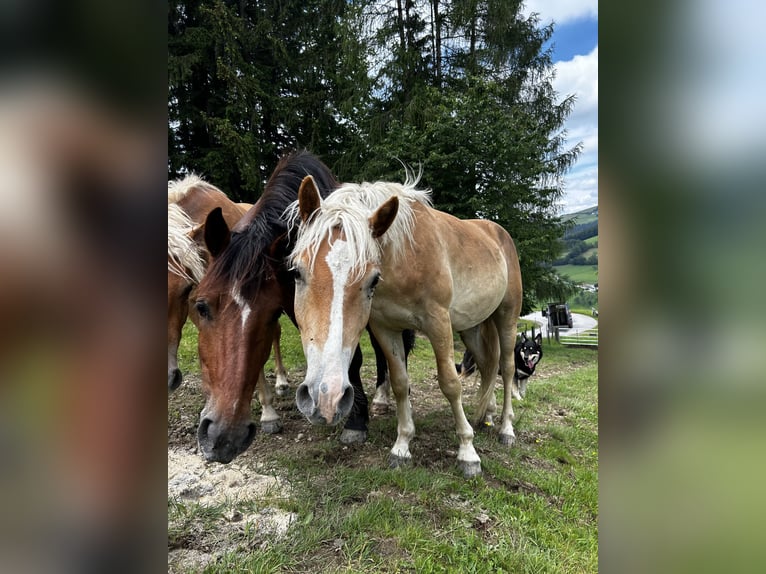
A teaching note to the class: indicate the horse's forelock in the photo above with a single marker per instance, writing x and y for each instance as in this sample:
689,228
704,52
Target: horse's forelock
349,208
244,263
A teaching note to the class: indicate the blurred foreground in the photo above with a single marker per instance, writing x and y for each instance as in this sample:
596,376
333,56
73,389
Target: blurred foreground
681,293
82,157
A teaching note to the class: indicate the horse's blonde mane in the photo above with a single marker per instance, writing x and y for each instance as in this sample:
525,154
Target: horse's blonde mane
350,207
184,255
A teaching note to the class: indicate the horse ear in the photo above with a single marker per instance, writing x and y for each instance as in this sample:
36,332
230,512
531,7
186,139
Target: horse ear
384,216
217,233
309,199
197,233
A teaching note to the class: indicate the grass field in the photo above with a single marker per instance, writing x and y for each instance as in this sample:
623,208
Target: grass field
534,509
579,273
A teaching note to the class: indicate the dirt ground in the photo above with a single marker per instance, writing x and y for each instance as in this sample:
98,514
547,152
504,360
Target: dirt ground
257,471
436,448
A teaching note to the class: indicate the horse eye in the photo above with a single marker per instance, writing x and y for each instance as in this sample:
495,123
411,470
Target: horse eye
373,283
202,309
296,273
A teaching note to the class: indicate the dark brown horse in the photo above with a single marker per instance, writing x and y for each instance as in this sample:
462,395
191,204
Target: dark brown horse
237,307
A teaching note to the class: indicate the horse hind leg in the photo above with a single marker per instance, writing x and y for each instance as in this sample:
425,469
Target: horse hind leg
282,385
270,421
481,342
506,330
381,401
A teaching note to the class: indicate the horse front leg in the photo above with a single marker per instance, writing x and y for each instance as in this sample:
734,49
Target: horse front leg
392,345
440,334
270,421
355,429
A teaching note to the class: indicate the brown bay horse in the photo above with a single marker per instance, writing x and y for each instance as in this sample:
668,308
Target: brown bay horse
190,200
379,254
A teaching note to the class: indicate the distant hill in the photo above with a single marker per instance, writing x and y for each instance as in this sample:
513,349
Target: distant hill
587,215
579,261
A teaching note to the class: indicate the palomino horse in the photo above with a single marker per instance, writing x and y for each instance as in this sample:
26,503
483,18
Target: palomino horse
379,253
237,307
189,201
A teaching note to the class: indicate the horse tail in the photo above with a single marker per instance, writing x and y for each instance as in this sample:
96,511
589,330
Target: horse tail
491,344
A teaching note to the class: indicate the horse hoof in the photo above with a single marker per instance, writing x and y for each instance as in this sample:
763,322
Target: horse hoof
506,439
282,391
350,436
271,427
395,461
469,469
379,409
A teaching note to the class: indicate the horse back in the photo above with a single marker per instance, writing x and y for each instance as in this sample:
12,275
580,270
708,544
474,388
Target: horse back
201,200
462,265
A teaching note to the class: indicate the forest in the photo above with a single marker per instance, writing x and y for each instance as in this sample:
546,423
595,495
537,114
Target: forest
461,89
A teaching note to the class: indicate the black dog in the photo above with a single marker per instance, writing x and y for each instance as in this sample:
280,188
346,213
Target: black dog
527,354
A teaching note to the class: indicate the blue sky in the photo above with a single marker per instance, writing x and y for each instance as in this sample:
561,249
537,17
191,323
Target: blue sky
575,55
573,38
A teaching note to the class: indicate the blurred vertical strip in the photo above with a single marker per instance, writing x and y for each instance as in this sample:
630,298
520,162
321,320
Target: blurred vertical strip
83,162
682,238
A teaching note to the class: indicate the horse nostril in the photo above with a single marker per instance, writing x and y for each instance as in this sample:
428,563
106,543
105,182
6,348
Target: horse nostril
175,379
346,401
303,399
302,394
203,429
251,429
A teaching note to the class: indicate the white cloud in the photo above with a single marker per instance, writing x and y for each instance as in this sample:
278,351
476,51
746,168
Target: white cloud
561,11
579,76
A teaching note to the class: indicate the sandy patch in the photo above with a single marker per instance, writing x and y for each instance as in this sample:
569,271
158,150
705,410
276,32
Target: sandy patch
191,480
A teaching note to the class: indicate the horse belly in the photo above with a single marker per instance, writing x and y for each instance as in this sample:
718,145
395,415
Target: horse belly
466,316
476,298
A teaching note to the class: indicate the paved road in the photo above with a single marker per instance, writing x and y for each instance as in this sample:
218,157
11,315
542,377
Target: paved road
580,323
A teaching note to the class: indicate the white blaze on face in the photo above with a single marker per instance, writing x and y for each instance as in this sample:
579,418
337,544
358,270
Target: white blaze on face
339,262
332,361
244,307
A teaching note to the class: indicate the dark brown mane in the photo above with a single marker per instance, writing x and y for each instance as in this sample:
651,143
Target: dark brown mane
245,261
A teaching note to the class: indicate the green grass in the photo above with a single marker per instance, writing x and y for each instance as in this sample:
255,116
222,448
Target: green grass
579,273
534,509
591,240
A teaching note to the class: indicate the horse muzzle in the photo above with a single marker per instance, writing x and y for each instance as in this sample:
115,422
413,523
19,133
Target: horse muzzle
222,443
323,406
